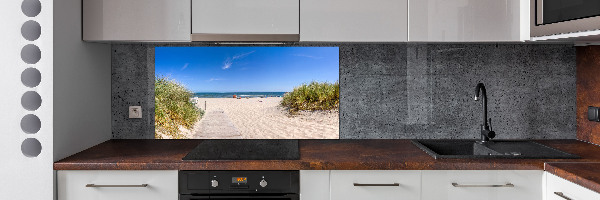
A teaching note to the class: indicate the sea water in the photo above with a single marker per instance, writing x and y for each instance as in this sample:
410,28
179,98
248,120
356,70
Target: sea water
237,94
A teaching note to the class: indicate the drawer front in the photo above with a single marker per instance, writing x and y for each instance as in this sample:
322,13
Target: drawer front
566,190
407,185
482,184
112,185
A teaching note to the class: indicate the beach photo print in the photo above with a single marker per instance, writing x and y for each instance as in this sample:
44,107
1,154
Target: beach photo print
247,93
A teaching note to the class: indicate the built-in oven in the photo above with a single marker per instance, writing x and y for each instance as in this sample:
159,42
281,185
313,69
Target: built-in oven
553,17
234,185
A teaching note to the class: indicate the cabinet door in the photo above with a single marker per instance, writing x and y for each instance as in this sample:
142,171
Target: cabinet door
354,20
375,185
117,185
468,20
245,16
561,189
314,185
482,184
136,20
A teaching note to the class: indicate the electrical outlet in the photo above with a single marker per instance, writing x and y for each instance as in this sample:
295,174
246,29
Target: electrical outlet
135,112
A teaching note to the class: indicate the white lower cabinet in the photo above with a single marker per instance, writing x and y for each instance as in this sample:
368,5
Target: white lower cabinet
482,184
341,185
561,189
117,185
314,184
375,185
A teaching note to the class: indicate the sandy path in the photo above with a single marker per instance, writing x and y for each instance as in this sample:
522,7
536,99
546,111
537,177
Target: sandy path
262,118
216,125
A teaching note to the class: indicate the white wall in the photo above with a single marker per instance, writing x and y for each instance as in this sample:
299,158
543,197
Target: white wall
82,84
24,177
74,88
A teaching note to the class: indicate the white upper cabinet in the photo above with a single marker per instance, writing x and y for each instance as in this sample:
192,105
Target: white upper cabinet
307,20
468,20
136,20
244,20
354,20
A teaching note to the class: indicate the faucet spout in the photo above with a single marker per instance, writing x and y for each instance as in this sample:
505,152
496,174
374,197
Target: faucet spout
486,132
481,88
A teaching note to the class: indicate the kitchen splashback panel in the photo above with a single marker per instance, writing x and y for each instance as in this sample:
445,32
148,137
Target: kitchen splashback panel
407,90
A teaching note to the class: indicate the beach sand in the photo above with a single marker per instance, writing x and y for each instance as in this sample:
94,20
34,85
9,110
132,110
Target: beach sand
260,118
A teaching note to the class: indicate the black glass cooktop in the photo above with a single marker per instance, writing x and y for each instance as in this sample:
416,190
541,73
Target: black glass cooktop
245,150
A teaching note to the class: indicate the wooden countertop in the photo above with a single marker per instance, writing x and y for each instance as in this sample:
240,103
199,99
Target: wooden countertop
314,155
332,155
581,173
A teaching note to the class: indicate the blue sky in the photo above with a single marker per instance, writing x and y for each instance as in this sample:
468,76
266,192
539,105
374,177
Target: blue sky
247,69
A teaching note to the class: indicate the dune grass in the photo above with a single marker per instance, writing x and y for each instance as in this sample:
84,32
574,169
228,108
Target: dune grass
313,96
173,108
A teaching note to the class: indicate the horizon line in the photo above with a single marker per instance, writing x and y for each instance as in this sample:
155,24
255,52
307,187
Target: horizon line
235,92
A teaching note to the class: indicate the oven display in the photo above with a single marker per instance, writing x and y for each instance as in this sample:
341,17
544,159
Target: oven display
239,180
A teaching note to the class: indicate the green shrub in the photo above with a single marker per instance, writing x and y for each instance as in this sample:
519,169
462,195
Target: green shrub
313,96
173,108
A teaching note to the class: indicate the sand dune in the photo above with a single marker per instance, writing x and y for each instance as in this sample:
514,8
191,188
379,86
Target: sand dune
261,118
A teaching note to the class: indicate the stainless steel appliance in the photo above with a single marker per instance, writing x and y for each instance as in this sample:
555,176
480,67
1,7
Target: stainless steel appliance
234,185
554,17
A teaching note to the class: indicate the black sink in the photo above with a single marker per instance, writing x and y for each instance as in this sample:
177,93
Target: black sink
492,149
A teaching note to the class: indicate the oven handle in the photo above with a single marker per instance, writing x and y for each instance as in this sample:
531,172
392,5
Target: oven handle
191,197
250,197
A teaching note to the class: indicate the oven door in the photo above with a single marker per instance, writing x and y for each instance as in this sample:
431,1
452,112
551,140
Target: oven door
236,197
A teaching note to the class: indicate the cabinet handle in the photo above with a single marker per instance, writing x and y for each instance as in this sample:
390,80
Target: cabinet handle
560,194
361,184
505,185
94,185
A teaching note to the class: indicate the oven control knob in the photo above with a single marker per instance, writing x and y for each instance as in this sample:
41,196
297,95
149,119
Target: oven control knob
263,183
214,183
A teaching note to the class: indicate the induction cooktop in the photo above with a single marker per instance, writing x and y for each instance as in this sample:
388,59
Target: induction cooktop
229,149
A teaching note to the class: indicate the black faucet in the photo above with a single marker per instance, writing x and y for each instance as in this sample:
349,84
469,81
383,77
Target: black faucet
486,129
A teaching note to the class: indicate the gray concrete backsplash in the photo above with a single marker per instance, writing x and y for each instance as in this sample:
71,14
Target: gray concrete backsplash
407,91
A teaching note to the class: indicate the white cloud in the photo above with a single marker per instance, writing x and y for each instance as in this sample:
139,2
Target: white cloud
227,64
214,79
229,61
307,56
185,66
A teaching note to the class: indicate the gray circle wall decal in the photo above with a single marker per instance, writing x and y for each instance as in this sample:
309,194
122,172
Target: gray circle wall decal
31,147
31,8
31,124
31,100
31,77
31,30
31,54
